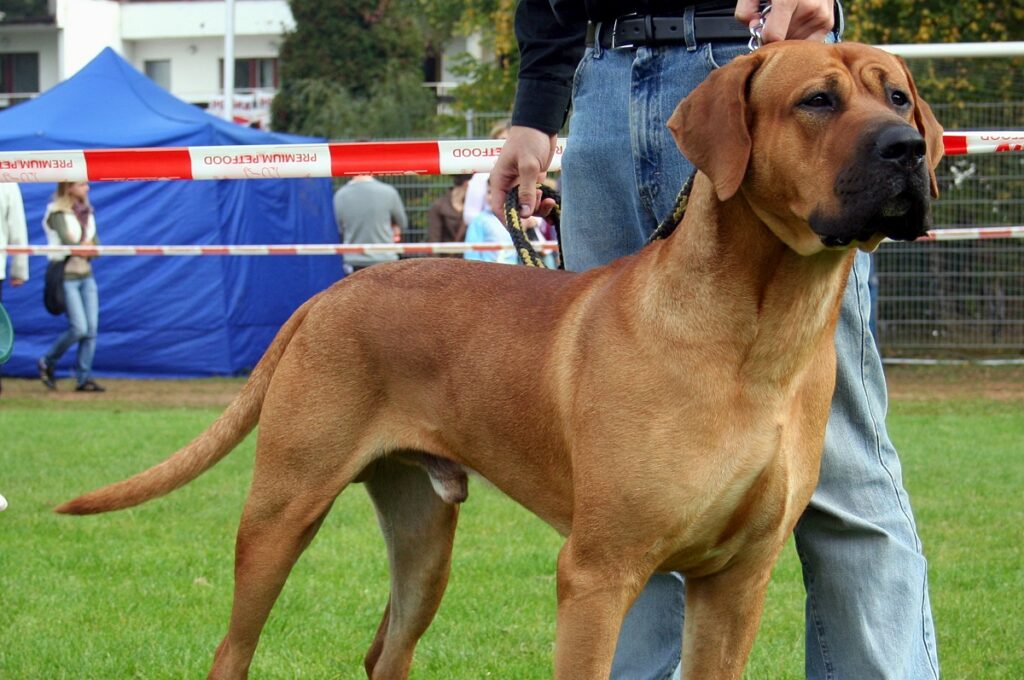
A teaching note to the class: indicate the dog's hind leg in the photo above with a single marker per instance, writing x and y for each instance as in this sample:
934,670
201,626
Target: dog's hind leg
285,508
419,528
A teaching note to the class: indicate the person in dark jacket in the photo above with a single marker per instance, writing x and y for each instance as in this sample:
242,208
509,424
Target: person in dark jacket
625,65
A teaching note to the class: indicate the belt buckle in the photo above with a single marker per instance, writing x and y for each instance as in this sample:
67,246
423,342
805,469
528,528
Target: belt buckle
615,32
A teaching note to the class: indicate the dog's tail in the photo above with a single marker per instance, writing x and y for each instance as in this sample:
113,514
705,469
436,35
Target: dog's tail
230,428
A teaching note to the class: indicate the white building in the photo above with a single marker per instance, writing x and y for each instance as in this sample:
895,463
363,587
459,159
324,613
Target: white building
180,44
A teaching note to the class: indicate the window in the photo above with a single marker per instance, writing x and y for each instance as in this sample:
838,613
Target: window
27,11
252,74
159,71
19,72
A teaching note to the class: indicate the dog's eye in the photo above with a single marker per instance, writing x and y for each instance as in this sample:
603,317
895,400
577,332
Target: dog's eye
819,100
899,98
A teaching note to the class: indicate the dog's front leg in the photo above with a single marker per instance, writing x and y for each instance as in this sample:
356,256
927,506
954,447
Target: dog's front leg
594,594
723,611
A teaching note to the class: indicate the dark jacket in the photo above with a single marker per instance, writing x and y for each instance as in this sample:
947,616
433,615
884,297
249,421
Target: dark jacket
551,35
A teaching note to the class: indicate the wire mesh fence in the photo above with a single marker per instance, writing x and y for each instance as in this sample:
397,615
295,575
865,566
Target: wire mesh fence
935,300
961,299
951,300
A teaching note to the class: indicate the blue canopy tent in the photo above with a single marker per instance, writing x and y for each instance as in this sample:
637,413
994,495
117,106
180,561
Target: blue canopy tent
167,316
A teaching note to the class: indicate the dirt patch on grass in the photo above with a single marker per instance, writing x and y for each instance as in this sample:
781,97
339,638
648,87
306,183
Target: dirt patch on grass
930,383
912,383
199,393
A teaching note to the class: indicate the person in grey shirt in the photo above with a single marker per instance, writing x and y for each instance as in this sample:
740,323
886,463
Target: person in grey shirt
369,211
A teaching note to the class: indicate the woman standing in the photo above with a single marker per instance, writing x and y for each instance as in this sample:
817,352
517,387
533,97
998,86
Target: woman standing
444,218
69,221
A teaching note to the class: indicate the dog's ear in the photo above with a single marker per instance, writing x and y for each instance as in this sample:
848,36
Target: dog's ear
711,125
928,126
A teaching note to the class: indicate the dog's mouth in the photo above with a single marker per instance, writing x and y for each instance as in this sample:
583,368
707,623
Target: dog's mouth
904,215
884,191
895,207
899,219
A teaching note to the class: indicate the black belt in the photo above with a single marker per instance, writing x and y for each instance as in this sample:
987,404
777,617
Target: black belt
712,21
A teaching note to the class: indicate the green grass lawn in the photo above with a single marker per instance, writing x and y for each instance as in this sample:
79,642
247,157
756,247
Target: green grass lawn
145,593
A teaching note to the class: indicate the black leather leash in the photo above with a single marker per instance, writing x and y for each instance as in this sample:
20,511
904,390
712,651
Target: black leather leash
528,255
524,249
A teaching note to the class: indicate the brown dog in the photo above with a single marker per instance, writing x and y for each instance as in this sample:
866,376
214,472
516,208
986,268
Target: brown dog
677,416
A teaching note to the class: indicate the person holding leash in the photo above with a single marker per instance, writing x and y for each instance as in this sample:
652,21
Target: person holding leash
625,66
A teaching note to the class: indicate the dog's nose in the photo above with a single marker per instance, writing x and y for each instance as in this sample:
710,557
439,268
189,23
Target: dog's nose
901,144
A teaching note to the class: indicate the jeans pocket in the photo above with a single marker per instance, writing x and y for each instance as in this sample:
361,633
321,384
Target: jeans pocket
718,54
577,76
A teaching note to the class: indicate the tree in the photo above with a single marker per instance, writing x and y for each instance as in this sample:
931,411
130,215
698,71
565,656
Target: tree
944,81
490,82
937,21
353,69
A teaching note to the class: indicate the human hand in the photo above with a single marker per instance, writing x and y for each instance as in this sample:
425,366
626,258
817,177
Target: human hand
790,19
15,282
523,161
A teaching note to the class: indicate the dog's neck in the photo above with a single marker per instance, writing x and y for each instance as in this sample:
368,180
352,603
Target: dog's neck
774,305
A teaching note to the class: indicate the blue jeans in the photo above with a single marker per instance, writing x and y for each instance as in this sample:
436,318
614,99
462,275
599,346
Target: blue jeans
83,311
868,613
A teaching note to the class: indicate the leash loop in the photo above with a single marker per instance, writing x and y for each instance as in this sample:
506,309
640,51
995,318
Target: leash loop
524,249
528,255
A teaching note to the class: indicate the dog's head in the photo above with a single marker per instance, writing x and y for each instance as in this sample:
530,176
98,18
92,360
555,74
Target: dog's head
830,144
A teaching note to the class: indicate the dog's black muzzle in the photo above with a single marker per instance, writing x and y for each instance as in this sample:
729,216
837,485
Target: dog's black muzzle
885,189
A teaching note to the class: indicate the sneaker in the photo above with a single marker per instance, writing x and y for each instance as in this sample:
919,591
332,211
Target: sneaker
46,373
89,386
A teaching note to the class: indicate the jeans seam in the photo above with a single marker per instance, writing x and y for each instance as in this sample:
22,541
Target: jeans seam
649,153
655,150
928,648
672,668
708,50
709,56
639,111
930,651
876,435
819,628
590,54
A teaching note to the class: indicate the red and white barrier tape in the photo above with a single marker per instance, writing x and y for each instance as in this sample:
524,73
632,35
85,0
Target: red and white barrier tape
973,233
961,143
280,161
291,249
258,161
966,234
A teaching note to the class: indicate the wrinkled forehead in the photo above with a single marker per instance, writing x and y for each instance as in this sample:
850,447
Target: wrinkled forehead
796,67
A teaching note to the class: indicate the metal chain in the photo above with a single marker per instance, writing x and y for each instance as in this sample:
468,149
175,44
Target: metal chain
756,38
